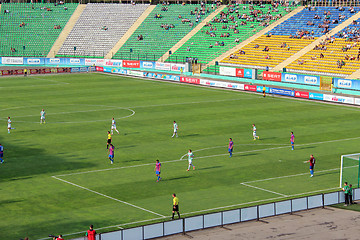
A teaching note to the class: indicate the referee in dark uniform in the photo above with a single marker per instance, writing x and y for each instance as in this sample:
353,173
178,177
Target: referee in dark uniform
175,206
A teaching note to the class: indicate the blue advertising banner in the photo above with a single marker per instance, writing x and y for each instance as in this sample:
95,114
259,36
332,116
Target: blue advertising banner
115,70
55,61
82,69
74,61
248,73
147,65
34,61
162,76
316,96
284,92
300,79
346,83
260,89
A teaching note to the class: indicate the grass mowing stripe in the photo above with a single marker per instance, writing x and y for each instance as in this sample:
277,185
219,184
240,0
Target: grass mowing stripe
115,199
216,155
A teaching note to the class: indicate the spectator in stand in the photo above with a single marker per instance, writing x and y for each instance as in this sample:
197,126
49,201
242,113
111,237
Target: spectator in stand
266,49
91,233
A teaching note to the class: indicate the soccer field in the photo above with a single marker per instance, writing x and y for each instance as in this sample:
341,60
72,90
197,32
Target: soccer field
57,178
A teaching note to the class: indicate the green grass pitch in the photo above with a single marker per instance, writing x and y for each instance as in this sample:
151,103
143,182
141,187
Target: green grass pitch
88,190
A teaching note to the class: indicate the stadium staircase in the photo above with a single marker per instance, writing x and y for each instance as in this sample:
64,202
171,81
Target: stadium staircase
129,32
327,65
38,34
99,28
157,40
199,44
254,55
257,35
192,33
65,32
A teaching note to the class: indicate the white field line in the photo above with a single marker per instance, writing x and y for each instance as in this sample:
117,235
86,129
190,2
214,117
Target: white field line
83,111
295,175
115,199
223,154
263,189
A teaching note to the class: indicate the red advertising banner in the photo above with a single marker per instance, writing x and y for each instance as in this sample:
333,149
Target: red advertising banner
190,80
250,88
5,72
34,71
131,64
272,76
300,94
99,69
239,72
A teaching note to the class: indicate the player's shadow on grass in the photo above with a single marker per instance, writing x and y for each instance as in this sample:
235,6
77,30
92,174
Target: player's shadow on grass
18,178
307,147
133,160
206,168
130,146
325,173
191,135
3,202
176,178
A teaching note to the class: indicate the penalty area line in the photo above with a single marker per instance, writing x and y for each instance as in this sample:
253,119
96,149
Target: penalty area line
115,199
263,189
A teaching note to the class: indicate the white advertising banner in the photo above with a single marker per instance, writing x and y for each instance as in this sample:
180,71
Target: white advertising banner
162,66
227,71
212,83
113,63
92,62
339,99
135,73
12,60
357,101
177,67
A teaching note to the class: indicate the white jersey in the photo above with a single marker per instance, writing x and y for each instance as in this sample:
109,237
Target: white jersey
175,127
42,114
9,123
113,124
254,129
190,157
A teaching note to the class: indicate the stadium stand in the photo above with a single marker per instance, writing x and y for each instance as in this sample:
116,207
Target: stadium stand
31,29
99,28
233,25
289,37
66,31
162,32
336,55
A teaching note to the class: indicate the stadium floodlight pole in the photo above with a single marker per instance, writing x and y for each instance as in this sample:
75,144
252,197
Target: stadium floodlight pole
341,174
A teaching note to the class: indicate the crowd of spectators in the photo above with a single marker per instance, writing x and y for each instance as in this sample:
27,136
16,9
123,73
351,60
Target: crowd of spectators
236,16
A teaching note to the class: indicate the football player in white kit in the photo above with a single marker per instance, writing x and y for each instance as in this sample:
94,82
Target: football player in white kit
254,132
190,158
175,129
42,116
9,125
113,126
